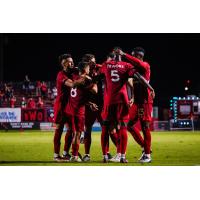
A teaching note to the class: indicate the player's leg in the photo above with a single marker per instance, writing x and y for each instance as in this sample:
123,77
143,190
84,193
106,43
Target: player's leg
79,127
123,141
100,120
145,124
68,141
56,141
105,140
117,157
114,136
68,137
134,131
123,117
75,146
90,118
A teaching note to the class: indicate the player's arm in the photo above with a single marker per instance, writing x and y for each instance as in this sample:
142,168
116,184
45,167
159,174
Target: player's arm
135,61
144,82
94,88
92,106
76,83
130,85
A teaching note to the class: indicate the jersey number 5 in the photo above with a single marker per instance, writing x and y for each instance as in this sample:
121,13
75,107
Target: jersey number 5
114,75
73,92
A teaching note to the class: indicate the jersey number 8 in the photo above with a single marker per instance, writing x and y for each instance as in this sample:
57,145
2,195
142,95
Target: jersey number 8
73,92
114,75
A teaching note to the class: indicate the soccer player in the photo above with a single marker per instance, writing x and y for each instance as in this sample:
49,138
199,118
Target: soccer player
115,110
90,115
143,103
63,84
75,109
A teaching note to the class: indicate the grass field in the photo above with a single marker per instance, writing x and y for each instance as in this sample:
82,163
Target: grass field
36,148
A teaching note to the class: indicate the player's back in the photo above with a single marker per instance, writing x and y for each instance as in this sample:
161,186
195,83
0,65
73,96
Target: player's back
116,75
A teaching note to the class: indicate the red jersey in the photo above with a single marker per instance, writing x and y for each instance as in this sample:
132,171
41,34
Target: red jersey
62,90
77,99
116,75
141,93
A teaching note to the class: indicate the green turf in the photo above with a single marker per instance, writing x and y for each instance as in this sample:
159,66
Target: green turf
36,148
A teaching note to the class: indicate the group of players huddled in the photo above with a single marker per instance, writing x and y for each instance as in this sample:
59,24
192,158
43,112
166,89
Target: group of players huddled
91,92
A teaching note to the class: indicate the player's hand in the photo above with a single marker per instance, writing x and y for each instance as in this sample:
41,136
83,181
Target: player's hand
131,102
119,52
93,107
153,94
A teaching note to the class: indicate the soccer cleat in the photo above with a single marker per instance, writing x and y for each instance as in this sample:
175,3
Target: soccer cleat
109,156
66,157
82,138
141,156
105,160
80,156
116,158
59,159
86,158
75,159
123,160
145,159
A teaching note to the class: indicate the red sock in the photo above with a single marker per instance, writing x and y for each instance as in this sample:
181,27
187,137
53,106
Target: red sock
147,140
68,141
104,139
123,139
87,141
57,138
75,148
136,135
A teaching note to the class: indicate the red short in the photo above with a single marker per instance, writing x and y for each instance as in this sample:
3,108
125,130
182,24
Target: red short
76,123
141,111
91,116
59,114
116,113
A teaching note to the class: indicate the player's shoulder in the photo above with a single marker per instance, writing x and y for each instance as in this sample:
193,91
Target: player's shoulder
60,74
146,63
126,64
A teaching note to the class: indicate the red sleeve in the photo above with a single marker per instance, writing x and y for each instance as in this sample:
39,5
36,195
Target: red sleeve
102,69
61,78
137,62
131,70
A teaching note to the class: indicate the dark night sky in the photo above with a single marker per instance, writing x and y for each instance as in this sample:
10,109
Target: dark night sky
173,57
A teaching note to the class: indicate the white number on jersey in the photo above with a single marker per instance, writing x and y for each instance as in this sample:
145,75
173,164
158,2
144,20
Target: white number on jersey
73,92
114,75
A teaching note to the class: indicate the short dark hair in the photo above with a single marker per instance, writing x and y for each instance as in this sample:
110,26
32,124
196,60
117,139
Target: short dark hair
82,65
111,55
87,57
63,56
115,48
139,49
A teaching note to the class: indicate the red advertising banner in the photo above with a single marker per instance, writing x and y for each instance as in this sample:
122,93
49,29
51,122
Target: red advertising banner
33,115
